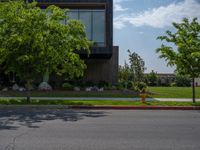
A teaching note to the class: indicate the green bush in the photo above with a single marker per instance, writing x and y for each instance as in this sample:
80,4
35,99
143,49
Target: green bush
67,86
173,84
183,81
119,86
103,84
130,85
89,84
141,87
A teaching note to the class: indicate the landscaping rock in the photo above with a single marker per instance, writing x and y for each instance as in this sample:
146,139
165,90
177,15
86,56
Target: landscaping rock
21,89
44,86
95,88
15,87
5,89
77,89
88,89
101,90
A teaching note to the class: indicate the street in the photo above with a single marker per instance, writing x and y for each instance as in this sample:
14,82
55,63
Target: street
63,129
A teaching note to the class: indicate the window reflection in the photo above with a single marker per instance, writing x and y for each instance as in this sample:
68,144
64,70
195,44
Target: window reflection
98,27
86,18
94,21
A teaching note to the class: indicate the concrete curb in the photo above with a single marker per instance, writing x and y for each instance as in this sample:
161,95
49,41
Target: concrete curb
103,98
105,107
138,107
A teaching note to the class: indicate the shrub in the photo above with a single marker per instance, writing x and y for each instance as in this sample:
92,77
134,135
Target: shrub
130,85
89,84
119,86
183,81
141,87
173,84
103,84
67,86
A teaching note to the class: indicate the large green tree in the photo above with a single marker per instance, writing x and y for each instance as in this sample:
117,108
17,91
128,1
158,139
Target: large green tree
34,41
186,53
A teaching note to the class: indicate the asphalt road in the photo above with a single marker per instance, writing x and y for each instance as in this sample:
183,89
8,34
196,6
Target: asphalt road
61,129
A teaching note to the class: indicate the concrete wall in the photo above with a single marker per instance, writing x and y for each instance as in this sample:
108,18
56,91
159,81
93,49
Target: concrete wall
103,69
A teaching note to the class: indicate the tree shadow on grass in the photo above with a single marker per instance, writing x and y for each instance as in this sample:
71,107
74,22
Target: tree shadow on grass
12,119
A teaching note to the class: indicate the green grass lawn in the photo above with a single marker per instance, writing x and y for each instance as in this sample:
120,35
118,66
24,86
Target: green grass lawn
173,92
96,103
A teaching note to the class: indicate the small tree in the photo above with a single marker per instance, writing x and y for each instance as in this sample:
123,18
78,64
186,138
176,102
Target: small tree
137,67
186,55
35,42
182,81
152,78
124,74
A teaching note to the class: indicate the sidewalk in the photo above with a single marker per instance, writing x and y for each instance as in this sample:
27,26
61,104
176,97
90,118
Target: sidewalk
104,98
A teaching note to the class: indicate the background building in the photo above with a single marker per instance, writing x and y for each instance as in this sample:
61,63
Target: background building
166,78
197,82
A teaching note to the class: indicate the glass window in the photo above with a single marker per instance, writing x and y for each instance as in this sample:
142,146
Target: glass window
73,14
94,22
63,22
99,27
86,18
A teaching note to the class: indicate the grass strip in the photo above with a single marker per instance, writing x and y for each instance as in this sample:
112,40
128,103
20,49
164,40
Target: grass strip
95,103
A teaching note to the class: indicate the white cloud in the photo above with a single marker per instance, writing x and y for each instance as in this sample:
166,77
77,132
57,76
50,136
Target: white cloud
118,6
118,23
160,17
120,1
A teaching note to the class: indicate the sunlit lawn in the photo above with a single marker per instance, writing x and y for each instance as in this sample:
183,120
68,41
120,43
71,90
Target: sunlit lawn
173,92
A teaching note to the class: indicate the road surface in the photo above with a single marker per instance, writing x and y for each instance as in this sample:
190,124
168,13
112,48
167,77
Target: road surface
64,129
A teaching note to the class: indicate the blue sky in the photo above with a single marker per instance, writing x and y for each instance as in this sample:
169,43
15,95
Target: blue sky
137,23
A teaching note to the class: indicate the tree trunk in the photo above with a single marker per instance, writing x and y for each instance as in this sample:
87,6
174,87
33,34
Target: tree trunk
28,96
28,93
193,89
46,76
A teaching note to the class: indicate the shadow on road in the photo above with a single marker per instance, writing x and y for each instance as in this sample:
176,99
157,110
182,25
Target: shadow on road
12,119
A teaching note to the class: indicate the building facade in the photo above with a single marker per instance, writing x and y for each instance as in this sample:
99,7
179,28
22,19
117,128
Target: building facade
166,78
97,16
197,82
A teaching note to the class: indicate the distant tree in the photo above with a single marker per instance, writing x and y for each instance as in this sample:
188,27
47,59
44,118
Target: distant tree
182,81
137,67
186,55
124,74
152,78
35,42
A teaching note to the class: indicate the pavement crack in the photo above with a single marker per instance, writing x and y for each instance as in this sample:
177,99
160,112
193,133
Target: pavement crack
12,145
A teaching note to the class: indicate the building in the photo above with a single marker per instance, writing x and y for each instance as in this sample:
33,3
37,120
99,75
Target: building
97,16
166,78
197,82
